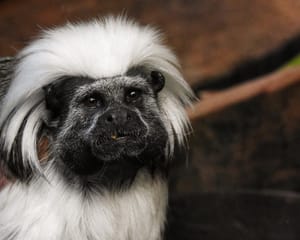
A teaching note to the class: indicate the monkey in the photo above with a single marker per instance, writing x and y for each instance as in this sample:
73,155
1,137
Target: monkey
109,98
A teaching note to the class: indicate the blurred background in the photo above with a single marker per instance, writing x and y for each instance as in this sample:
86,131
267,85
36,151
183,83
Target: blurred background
242,177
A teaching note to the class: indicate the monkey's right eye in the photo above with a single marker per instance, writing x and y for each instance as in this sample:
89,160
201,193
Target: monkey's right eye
93,101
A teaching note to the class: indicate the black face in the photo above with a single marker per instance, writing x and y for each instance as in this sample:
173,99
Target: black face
107,129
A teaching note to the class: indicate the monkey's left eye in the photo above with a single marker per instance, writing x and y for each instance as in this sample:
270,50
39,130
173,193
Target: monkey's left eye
93,101
132,95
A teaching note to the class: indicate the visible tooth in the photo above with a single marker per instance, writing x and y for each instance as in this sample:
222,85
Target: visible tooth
114,136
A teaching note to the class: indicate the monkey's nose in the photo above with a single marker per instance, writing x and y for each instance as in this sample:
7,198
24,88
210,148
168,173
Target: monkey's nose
117,117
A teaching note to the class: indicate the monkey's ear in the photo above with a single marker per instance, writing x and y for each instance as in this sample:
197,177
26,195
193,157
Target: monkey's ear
52,95
157,81
156,78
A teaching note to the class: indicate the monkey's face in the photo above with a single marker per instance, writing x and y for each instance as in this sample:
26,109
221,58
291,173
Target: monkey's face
110,123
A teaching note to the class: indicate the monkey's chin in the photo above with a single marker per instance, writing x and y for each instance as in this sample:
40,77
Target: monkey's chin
90,160
119,149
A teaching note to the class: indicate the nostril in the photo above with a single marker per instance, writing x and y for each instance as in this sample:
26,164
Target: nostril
117,117
109,118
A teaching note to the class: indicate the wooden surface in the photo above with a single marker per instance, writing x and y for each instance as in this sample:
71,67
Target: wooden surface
211,37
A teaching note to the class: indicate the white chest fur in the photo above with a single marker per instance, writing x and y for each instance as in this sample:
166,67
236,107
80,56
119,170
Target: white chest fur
51,211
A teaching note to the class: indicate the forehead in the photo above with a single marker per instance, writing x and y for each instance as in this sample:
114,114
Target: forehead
112,84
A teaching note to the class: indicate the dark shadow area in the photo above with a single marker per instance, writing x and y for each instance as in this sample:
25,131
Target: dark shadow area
238,215
253,68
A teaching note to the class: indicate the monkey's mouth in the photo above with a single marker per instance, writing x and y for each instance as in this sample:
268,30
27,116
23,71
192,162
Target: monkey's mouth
119,142
123,135
118,135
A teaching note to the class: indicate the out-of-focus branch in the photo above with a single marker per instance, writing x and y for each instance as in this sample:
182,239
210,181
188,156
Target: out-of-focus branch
212,102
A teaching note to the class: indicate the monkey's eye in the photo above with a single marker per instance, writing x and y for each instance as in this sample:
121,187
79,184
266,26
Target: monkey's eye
132,95
93,101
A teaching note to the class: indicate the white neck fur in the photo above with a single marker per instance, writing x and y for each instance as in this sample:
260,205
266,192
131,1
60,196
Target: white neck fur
53,211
